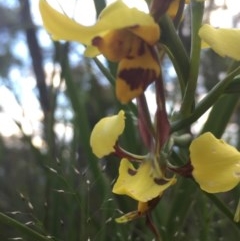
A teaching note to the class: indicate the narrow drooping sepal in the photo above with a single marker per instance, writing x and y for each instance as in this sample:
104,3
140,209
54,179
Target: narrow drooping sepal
143,209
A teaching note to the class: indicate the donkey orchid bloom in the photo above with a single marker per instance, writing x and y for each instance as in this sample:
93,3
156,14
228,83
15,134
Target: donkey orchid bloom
122,34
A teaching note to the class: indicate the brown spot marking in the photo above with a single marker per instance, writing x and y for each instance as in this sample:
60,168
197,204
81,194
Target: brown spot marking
130,57
131,172
96,41
160,181
137,77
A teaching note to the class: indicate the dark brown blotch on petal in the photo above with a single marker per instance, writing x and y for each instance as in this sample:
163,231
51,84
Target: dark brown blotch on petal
131,172
138,77
96,41
160,181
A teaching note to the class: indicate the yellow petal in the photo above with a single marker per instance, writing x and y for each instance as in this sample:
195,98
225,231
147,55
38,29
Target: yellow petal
224,42
62,27
204,45
216,164
142,184
105,134
136,73
91,51
118,15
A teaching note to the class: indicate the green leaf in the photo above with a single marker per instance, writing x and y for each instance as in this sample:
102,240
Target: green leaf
24,229
220,115
210,99
197,9
173,45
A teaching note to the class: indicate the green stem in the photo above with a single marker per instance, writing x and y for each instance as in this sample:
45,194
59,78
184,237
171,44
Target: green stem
173,45
206,103
197,10
223,108
145,114
4,219
105,71
220,115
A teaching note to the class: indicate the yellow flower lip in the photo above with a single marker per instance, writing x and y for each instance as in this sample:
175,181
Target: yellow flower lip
224,42
216,165
142,184
134,75
105,134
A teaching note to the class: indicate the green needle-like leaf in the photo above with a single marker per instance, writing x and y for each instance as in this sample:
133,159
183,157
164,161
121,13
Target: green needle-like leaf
25,230
173,45
197,9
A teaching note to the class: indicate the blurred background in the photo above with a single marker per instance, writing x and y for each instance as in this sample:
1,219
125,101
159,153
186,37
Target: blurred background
50,98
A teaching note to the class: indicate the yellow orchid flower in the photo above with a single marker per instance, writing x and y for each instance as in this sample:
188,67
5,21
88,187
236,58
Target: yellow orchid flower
105,134
121,34
142,184
216,165
145,183
224,42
